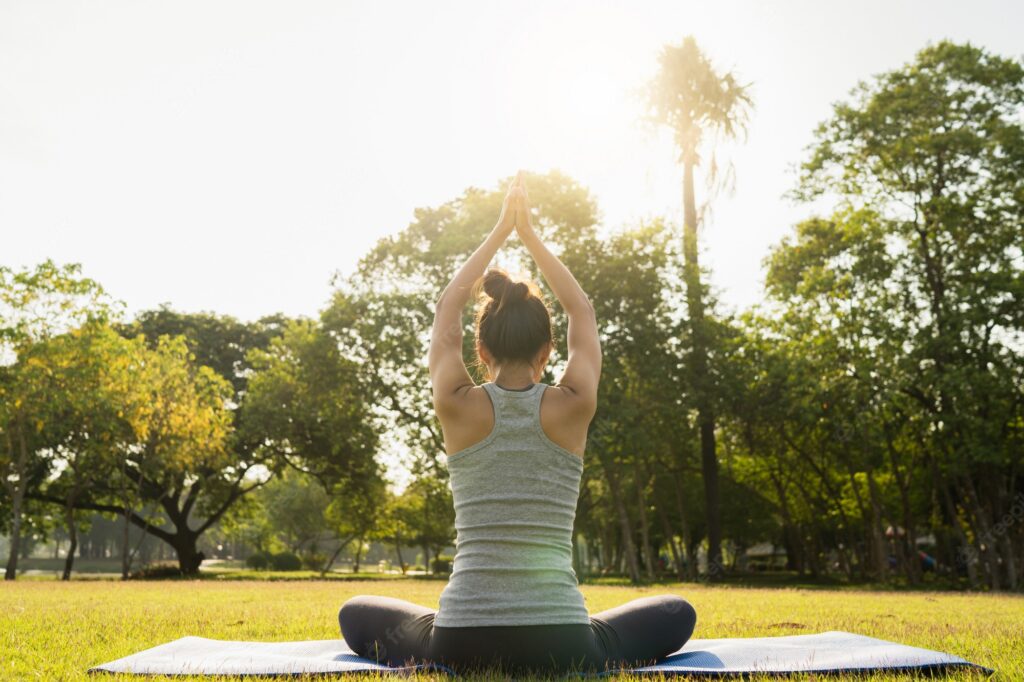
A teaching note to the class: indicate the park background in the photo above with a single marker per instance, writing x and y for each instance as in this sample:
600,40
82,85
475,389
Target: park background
223,228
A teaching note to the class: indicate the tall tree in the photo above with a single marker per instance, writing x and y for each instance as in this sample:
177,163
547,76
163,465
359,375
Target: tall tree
85,426
934,152
220,343
178,458
310,407
35,305
697,102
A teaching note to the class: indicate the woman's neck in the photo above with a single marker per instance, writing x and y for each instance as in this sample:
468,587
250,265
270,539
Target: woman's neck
514,377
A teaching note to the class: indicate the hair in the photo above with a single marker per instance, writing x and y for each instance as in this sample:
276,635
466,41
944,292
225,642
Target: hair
512,321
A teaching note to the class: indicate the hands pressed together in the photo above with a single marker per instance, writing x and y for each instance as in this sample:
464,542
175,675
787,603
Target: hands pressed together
515,209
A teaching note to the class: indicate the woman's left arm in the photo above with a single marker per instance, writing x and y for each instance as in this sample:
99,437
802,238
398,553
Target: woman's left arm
448,374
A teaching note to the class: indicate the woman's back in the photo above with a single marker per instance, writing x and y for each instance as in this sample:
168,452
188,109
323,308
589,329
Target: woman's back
515,495
513,598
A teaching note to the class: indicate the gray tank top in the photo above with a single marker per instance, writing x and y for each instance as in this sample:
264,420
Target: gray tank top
515,496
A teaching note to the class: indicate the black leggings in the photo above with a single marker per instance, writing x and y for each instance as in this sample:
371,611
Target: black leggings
398,632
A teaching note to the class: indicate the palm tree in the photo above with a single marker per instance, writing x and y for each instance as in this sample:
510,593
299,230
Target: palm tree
696,102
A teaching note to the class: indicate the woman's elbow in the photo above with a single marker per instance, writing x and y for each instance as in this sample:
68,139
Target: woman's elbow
439,304
582,308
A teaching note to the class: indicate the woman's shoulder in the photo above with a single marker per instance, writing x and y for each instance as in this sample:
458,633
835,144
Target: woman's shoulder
467,418
565,417
570,403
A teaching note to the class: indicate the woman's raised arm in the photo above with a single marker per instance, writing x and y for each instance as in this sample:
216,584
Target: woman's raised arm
448,374
583,369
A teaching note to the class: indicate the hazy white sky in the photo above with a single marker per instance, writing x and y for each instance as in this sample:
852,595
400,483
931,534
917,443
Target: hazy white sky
230,156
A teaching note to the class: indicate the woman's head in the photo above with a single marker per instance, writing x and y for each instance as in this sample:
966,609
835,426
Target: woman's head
513,326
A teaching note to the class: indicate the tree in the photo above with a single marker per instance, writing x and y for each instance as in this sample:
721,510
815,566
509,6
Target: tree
627,276
931,154
307,404
85,424
354,513
295,505
693,99
397,524
430,515
214,482
34,306
179,458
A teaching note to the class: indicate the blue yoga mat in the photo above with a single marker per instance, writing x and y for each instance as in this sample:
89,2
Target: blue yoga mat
820,653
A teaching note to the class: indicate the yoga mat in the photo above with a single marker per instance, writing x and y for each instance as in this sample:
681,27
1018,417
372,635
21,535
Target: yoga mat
820,653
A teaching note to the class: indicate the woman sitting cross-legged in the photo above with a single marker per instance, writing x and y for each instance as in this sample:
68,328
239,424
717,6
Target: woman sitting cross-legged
515,458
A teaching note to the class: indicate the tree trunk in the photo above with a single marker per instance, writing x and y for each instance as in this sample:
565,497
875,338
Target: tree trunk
189,556
17,493
645,531
126,559
983,529
605,557
69,561
359,553
912,565
15,549
334,557
398,551
626,527
666,528
577,559
965,554
699,374
689,556
1006,541
881,555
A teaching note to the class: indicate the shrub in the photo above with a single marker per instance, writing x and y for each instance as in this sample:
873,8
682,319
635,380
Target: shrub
159,570
442,564
314,561
259,561
286,561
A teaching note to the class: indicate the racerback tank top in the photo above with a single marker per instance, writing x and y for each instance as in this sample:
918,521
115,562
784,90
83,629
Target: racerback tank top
515,495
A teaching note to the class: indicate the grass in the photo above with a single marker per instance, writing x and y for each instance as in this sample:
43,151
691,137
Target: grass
54,631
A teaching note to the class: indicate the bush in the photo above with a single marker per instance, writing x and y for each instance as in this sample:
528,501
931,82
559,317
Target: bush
314,561
159,570
259,561
442,564
286,561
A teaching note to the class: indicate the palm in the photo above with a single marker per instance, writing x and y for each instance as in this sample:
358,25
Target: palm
507,219
515,208
522,205
692,98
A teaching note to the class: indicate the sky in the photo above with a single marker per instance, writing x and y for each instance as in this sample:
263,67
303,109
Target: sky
232,156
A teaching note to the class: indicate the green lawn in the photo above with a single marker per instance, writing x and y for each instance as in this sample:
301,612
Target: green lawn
55,631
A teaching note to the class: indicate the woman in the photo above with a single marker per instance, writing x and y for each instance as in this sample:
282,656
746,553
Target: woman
515,458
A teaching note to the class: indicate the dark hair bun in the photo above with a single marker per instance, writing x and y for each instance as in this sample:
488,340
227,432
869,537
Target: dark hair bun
502,289
512,322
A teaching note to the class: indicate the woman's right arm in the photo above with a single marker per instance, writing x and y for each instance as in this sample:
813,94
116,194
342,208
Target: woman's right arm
583,369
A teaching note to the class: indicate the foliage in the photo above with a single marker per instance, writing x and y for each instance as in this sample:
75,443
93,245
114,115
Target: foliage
50,629
869,409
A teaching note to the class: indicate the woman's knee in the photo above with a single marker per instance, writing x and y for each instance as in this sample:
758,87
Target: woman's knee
681,614
652,627
672,617
351,610
351,620
384,627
